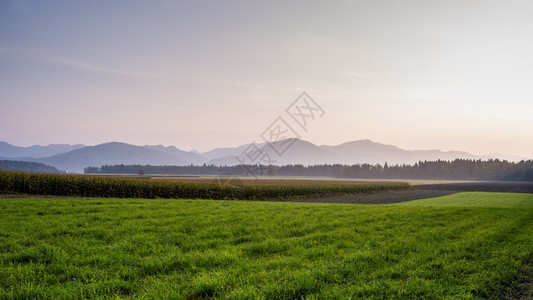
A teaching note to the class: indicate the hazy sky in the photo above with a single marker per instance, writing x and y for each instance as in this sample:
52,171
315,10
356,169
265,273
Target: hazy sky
453,75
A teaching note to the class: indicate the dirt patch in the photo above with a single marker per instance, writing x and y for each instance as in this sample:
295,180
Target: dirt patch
498,186
380,198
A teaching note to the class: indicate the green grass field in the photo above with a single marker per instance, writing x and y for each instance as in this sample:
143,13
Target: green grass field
156,248
478,199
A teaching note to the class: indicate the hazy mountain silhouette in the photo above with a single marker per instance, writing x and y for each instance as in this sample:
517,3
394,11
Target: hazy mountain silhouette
36,151
355,152
294,151
367,151
110,154
226,152
189,157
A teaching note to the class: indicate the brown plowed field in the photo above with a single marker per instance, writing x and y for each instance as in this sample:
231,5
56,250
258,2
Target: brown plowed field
498,186
379,198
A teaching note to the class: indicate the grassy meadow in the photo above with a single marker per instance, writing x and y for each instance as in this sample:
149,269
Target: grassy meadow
192,249
478,199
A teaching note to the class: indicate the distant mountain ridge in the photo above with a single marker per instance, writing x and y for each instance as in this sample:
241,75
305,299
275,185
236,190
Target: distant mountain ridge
110,153
75,158
367,151
355,152
35,151
188,157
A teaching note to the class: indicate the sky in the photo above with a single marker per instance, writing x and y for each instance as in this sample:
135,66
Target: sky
449,75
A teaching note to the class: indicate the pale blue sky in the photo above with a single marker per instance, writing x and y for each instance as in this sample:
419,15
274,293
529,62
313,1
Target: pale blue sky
453,75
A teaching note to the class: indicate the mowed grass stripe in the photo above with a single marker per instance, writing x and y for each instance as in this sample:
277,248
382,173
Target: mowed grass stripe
477,199
187,249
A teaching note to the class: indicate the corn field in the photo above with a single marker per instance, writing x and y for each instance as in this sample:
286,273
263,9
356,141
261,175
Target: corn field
113,187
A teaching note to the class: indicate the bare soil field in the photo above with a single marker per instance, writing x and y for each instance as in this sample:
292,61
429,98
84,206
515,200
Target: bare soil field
497,187
379,198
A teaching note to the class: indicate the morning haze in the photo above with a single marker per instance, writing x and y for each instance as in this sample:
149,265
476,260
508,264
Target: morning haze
448,75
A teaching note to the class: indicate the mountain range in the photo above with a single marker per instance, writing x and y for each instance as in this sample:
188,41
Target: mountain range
74,158
35,151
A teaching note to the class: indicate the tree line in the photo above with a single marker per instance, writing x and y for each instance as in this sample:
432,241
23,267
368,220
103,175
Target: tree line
26,166
459,169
